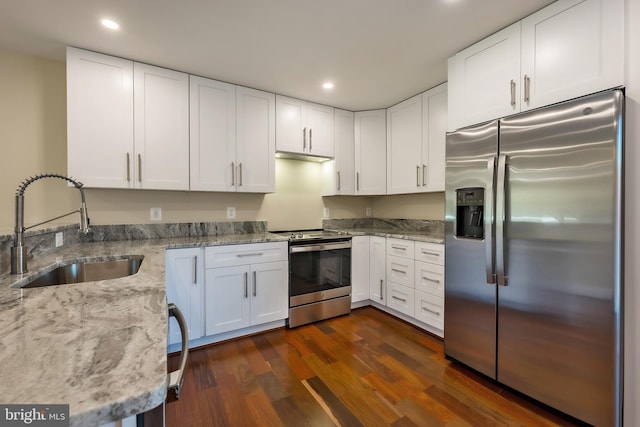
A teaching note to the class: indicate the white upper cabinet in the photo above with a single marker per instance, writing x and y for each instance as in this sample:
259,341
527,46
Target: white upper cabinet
416,133
404,146
256,141
99,119
338,174
434,134
572,48
304,128
484,79
128,123
568,49
370,152
212,135
161,128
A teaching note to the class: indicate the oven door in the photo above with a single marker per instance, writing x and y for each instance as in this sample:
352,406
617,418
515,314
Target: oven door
319,271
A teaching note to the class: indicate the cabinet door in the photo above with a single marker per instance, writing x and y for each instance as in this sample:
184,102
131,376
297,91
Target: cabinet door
338,174
371,152
269,291
161,109
99,119
429,309
256,141
377,269
212,135
359,268
320,124
484,79
400,298
227,299
290,125
434,132
185,288
572,48
404,146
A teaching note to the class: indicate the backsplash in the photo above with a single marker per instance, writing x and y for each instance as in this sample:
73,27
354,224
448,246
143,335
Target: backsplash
410,226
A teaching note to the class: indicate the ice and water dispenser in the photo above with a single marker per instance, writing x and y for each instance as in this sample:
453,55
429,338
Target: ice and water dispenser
470,213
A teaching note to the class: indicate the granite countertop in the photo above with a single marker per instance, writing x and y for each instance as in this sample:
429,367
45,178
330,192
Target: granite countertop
98,346
419,236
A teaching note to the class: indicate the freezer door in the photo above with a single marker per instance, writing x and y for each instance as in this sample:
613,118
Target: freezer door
470,296
559,313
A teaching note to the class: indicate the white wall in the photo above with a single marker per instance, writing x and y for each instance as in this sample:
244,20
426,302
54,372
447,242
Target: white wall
632,216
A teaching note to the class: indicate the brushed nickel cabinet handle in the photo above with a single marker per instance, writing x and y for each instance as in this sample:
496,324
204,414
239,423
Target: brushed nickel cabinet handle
381,290
513,93
233,174
430,253
240,174
437,313
246,289
398,298
418,176
195,270
527,88
424,175
358,181
244,254
128,168
338,174
430,280
398,248
255,291
139,167
304,139
310,139
398,271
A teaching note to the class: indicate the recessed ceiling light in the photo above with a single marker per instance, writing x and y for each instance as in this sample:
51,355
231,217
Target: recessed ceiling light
327,85
112,25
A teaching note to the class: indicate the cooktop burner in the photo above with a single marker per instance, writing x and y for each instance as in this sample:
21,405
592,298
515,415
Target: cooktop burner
304,235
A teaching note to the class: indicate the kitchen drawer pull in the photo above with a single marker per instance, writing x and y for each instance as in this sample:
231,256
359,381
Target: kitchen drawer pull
139,167
304,139
398,271
437,313
249,254
398,298
255,290
246,285
128,168
527,88
398,248
430,280
430,253
381,290
513,93
195,270
176,377
233,174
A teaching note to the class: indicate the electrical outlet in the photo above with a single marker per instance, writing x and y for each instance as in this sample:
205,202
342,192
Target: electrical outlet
155,214
367,211
325,212
59,239
231,213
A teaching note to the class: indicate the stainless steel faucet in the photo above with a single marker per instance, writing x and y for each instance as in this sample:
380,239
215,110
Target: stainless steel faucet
18,250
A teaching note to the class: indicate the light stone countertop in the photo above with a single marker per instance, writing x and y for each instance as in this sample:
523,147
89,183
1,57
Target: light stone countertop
417,236
100,347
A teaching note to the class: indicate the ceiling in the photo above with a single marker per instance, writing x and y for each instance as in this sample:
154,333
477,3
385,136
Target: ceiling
376,52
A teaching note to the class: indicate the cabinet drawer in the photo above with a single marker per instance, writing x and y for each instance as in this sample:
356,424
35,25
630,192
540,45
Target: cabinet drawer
430,252
400,270
230,255
400,298
400,247
429,278
429,309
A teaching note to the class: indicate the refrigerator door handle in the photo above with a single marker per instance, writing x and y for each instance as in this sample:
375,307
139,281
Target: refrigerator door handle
488,220
500,218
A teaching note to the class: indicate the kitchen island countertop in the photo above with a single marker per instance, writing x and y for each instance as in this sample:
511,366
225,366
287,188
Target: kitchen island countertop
98,346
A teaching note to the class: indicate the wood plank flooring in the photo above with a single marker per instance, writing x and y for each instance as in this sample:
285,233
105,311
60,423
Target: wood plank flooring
364,369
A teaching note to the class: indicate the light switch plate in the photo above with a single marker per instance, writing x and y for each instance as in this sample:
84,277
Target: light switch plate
325,212
231,213
155,214
367,211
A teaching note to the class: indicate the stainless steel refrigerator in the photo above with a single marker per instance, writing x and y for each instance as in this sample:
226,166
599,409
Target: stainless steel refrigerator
533,240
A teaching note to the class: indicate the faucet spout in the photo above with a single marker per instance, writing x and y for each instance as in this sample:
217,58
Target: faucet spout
19,250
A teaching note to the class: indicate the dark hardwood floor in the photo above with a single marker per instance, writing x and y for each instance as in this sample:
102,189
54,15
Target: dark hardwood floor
365,369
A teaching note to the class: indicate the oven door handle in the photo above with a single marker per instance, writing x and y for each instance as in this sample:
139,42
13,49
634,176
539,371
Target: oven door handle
319,247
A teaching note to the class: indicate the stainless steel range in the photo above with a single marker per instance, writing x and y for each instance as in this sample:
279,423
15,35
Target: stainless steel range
319,275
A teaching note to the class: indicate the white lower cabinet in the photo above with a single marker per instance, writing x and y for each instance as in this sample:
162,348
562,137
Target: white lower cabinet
185,288
377,269
429,309
245,285
400,298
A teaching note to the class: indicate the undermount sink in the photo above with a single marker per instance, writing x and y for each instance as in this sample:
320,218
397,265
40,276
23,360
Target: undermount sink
87,271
